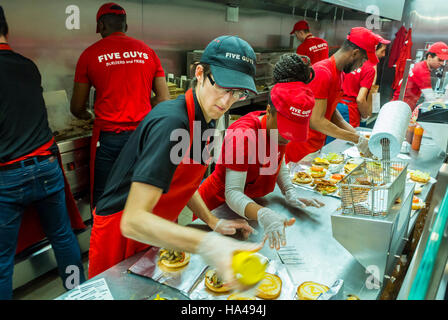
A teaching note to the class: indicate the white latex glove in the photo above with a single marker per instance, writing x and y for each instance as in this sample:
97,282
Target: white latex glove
363,146
217,251
229,227
274,225
293,199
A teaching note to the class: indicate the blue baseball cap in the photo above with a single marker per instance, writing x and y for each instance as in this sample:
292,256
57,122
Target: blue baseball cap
232,62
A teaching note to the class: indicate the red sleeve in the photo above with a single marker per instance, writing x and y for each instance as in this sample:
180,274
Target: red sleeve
321,83
422,77
239,149
159,70
81,75
367,78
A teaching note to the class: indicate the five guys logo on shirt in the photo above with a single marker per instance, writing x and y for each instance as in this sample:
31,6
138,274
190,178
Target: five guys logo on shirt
111,58
318,47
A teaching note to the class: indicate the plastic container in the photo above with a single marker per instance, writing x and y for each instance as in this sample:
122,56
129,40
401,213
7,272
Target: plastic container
417,139
410,132
249,267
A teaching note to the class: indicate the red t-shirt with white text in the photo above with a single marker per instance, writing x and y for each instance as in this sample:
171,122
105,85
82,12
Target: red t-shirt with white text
314,48
122,70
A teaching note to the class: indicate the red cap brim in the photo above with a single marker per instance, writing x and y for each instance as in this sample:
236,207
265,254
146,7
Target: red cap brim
291,130
442,56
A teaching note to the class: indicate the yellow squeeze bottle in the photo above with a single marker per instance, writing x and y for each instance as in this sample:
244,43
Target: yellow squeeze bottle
249,267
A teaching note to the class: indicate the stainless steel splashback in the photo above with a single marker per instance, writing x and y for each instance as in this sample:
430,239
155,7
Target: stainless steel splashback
172,28
429,20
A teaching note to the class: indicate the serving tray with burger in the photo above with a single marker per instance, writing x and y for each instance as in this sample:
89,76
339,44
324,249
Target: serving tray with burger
323,173
179,270
275,285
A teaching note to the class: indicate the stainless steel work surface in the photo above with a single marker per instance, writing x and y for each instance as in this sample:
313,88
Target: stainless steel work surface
312,254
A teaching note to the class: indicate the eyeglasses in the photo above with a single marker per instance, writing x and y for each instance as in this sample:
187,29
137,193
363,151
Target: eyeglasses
236,93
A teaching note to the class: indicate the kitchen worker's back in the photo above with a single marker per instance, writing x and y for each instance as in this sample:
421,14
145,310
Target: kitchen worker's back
122,70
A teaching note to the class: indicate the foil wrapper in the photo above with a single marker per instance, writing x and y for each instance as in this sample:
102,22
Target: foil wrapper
183,279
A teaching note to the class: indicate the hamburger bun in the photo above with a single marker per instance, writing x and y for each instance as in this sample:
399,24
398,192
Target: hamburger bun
238,296
302,178
317,172
310,290
321,162
418,176
349,167
270,287
214,283
335,158
335,178
417,204
173,259
418,190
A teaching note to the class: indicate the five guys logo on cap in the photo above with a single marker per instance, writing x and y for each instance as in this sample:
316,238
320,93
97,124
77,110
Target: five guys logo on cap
294,102
239,57
298,112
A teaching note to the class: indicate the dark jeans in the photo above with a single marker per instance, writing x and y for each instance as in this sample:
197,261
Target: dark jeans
106,153
40,184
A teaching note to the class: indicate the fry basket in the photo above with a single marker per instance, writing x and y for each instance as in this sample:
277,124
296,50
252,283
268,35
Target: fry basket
372,187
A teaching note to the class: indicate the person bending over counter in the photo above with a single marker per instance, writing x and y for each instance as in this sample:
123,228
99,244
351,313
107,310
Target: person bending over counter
327,88
252,155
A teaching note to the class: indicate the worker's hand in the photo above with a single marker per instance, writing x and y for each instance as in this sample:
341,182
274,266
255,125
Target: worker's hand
293,199
217,251
312,202
229,227
363,147
274,225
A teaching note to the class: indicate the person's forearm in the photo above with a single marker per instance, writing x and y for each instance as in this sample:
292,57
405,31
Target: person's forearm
198,206
364,108
82,114
157,99
330,129
153,230
283,179
251,211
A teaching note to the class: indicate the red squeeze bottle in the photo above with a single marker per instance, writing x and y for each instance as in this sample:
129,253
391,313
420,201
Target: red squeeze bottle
417,139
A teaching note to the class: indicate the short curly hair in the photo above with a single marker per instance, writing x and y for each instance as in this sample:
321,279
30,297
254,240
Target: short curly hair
293,67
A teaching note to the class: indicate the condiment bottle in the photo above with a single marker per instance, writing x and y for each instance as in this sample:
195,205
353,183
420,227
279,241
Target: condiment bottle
249,267
417,139
410,132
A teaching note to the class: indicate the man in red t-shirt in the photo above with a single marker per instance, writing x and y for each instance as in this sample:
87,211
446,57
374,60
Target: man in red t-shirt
419,80
313,47
357,84
327,88
124,72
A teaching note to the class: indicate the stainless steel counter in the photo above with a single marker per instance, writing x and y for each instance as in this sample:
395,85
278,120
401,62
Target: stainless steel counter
319,257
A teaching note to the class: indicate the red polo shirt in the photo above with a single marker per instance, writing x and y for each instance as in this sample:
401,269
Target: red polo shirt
314,48
122,70
419,78
361,78
326,84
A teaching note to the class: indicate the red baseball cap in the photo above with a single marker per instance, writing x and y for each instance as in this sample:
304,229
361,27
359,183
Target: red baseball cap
109,8
381,39
294,102
300,25
365,39
440,49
